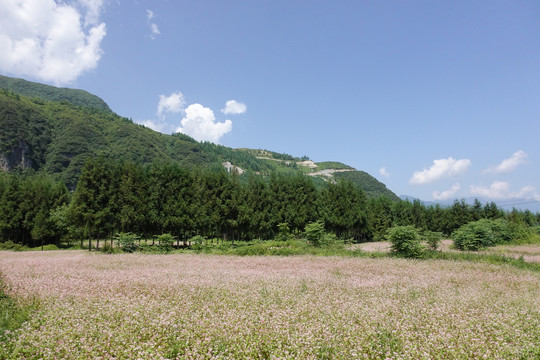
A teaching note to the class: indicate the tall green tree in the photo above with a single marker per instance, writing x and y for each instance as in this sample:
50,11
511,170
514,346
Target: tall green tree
95,199
344,208
380,220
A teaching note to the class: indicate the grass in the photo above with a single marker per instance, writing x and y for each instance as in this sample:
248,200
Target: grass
198,306
494,259
12,314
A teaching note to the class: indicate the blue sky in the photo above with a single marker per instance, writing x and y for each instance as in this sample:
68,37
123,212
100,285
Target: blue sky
437,99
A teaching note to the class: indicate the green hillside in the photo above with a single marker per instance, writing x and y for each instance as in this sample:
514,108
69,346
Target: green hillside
54,130
371,186
57,138
52,93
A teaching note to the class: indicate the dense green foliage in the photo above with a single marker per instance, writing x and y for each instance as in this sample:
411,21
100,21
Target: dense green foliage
59,137
484,233
27,205
405,241
51,93
433,239
123,197
240,158
371,186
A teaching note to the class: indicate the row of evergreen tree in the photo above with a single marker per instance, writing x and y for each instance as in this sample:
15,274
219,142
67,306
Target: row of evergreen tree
113,196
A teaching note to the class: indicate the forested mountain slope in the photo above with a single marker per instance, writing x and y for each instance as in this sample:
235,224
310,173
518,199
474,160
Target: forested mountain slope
52,93
55,130
57,138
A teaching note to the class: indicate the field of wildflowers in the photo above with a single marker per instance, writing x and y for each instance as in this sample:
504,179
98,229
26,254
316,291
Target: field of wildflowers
129,306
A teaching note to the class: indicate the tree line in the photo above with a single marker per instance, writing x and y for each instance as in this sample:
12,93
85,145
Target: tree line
166,198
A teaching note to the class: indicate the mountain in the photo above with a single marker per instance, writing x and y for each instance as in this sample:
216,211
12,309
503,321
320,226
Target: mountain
54,130
52,93
57,137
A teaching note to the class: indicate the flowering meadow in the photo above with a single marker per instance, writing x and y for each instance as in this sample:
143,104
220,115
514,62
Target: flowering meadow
137,306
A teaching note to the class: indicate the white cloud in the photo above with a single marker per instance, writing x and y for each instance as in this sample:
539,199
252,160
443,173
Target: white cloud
441,168
384,172
154,125
232,107
173,104
200,124
93,11
154,29
447,194
501,190
46,39
509,164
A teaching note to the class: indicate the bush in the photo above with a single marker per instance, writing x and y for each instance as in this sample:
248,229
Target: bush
109,249
165,243
197,242
433,239
48,247
127,241
484,233
475,235
316,235
405,241
284,233
11,246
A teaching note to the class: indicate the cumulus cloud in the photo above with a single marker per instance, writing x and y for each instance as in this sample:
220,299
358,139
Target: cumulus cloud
441,168
93,10
46,39
154,125
200,123
501,190
172,104
154,29
447,194
384,172
508,165
232,107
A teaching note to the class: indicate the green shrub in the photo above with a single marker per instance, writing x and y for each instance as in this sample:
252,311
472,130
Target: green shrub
433,239
405,241
197,242
127,241
316,235
284,233
11,246
252,250
48,247
109,249
165,243
475,235
518,233
149,249
484,233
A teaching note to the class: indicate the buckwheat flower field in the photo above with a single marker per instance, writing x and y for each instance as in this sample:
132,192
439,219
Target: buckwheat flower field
134,306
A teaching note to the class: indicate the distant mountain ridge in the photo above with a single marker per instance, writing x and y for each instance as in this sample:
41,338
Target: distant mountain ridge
55,130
